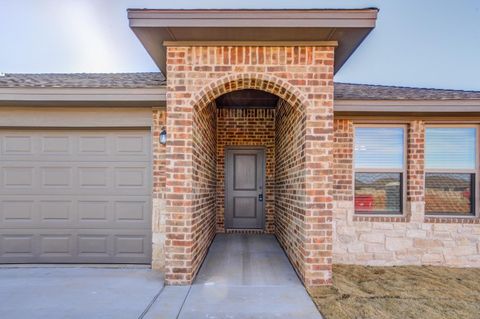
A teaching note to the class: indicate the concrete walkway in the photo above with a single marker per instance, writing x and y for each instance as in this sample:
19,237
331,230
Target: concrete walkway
243,276
77,292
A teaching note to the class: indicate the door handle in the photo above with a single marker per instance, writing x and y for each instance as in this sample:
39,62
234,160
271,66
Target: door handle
260,197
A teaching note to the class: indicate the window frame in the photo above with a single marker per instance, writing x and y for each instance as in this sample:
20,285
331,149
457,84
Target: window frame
475,171
402,171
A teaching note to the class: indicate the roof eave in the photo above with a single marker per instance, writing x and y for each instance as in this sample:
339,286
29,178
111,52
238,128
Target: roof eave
83,96
407,106
348,26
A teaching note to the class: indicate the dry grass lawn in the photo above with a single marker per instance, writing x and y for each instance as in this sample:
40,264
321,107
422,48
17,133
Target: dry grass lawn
400,292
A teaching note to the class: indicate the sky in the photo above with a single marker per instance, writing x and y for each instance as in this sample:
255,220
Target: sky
419,43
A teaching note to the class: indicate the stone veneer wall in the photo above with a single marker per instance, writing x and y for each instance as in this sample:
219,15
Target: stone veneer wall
301,75
246,127
158,193
413,239
290,191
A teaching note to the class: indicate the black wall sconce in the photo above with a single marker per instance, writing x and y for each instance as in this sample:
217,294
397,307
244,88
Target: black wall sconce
163,136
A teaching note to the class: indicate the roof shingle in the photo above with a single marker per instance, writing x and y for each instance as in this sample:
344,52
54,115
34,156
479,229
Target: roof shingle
349,91
82,80
343,91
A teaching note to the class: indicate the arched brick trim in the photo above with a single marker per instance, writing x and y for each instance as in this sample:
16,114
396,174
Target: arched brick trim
258,81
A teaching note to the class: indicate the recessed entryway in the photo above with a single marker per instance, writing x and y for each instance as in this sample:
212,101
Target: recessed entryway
244,188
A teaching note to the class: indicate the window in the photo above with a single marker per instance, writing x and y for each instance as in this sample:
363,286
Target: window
450,170
379,169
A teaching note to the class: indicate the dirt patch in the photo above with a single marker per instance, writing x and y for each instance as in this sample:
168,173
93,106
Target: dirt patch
400,292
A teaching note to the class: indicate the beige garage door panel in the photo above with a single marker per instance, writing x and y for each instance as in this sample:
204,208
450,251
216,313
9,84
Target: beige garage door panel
75,196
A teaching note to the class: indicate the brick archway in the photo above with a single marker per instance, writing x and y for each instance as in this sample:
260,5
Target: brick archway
257,81
300,76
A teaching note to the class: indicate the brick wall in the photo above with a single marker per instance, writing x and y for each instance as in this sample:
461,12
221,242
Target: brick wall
204,182
246,127
290,185
411,240
303,76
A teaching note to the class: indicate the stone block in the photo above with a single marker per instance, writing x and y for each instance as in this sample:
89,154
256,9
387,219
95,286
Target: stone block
377,237
398,244
356,247
416,233
427,243
374,248
433,259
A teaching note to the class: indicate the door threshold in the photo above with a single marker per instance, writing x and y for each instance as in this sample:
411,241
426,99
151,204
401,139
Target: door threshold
245,231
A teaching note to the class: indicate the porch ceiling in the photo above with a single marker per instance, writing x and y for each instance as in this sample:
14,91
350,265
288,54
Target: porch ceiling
247,99
346,26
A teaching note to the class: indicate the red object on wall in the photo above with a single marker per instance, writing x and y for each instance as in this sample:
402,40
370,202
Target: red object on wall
363,202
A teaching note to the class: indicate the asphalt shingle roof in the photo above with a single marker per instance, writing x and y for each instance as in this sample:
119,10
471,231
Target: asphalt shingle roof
348,91
343,91
82,80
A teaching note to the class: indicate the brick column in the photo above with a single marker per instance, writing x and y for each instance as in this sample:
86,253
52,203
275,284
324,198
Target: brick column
319,179
416,170
179,177
343,161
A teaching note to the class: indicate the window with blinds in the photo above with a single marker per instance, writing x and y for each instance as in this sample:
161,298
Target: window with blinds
450,170
379,160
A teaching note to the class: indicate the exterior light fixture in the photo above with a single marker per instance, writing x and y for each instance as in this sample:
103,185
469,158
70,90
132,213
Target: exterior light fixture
163,136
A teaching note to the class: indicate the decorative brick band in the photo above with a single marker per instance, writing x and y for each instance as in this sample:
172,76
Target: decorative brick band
451,220
384,219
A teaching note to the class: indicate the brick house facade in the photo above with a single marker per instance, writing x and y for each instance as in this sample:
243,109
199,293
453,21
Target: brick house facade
315,201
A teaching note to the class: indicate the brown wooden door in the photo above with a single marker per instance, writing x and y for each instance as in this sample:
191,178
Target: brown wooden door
244,188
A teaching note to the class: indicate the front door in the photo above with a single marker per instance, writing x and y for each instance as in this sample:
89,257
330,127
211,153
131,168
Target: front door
244,188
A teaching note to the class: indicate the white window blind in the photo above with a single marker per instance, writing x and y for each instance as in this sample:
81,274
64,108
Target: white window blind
379,147
450,148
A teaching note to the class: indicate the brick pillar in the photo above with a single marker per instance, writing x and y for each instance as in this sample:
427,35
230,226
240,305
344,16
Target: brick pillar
319,180
416,170
343,161
179,177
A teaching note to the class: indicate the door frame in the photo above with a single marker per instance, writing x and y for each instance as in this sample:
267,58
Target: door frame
225,177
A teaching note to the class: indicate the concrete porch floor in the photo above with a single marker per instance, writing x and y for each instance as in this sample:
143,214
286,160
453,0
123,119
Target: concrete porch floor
243,276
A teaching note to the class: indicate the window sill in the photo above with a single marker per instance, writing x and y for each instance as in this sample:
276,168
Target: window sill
452,219
381,218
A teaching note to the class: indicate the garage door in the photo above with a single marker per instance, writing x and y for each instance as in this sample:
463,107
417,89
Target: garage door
75,196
